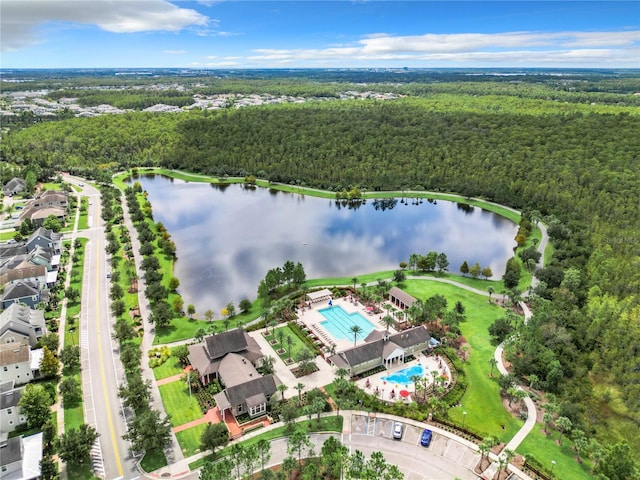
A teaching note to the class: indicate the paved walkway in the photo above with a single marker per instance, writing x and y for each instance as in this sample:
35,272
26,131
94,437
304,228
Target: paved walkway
173,452
529,425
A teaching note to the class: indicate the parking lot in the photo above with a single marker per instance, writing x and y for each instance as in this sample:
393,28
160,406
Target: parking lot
441,446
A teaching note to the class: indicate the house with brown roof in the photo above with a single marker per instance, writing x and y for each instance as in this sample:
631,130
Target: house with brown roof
400,298
381,349
231,358
15,363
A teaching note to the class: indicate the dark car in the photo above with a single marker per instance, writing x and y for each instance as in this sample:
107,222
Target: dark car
425,439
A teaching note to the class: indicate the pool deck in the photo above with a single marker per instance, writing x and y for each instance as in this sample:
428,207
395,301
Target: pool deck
311,318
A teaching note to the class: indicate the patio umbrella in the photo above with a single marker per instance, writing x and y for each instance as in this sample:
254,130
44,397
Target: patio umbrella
404,393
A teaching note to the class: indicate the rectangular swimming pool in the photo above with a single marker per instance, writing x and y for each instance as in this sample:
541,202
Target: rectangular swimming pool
404,376
338,323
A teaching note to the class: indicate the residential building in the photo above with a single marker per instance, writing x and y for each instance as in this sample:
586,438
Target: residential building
21,292
16,363
45,238
20,457
13,186
21,324
10,414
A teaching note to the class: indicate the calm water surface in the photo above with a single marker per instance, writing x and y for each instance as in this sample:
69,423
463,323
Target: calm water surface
228,238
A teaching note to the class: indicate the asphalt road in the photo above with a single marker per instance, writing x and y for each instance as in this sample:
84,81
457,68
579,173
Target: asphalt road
102,370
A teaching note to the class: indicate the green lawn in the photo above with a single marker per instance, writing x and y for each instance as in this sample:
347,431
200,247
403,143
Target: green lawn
74,417
181,408
327,424
189,439
296,345
168,369
485,413
153,460
4,236
544,449
83,221
73,309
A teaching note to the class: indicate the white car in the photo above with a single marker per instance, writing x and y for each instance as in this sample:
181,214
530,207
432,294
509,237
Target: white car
397,431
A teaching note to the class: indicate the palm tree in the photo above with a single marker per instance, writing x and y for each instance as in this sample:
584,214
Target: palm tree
564,425
388,321
354,280
289,342
299,387
364,289
508,455
281,388
355,329
490,290
226,322
280,335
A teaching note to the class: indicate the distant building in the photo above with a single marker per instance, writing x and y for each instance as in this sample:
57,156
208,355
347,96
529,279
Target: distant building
13,186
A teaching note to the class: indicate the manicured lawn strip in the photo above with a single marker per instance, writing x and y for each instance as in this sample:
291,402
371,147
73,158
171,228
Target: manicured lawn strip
296,344
327,424
181,328
485,413
168,369
83,221
4,236
176,401
544,449
73,310
153,460
80,472
189,439
74,417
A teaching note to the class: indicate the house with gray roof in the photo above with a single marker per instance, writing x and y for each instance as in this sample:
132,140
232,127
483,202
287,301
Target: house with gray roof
25,272
20,324
231,358
51,198
381,349
11,415
20,292
206,357
13,186
45,238
20,457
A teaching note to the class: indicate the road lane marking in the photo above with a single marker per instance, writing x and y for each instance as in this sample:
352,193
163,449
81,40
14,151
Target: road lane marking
104,376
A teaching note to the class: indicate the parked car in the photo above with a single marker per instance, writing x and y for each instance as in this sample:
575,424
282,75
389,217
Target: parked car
425,439
108,274
397,431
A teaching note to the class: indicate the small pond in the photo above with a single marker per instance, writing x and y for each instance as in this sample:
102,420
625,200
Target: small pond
228,237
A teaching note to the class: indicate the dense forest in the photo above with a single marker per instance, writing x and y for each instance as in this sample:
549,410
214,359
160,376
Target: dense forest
575,165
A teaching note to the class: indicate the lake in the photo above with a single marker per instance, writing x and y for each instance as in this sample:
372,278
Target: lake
228,237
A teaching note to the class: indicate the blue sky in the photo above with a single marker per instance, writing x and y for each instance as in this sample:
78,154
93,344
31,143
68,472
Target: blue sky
310,34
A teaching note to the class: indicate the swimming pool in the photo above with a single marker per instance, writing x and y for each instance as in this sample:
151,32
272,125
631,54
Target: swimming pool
404,376
338,323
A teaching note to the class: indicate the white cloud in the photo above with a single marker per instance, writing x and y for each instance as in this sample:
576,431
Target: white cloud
21,19
508,48
174,52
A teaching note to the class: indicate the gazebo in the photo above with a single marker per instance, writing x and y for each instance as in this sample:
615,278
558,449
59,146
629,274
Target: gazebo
320,295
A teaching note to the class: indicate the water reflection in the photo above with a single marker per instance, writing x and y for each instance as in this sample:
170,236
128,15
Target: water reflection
229,237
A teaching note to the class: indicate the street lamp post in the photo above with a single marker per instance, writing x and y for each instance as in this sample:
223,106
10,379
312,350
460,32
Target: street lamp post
464,417
553,464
